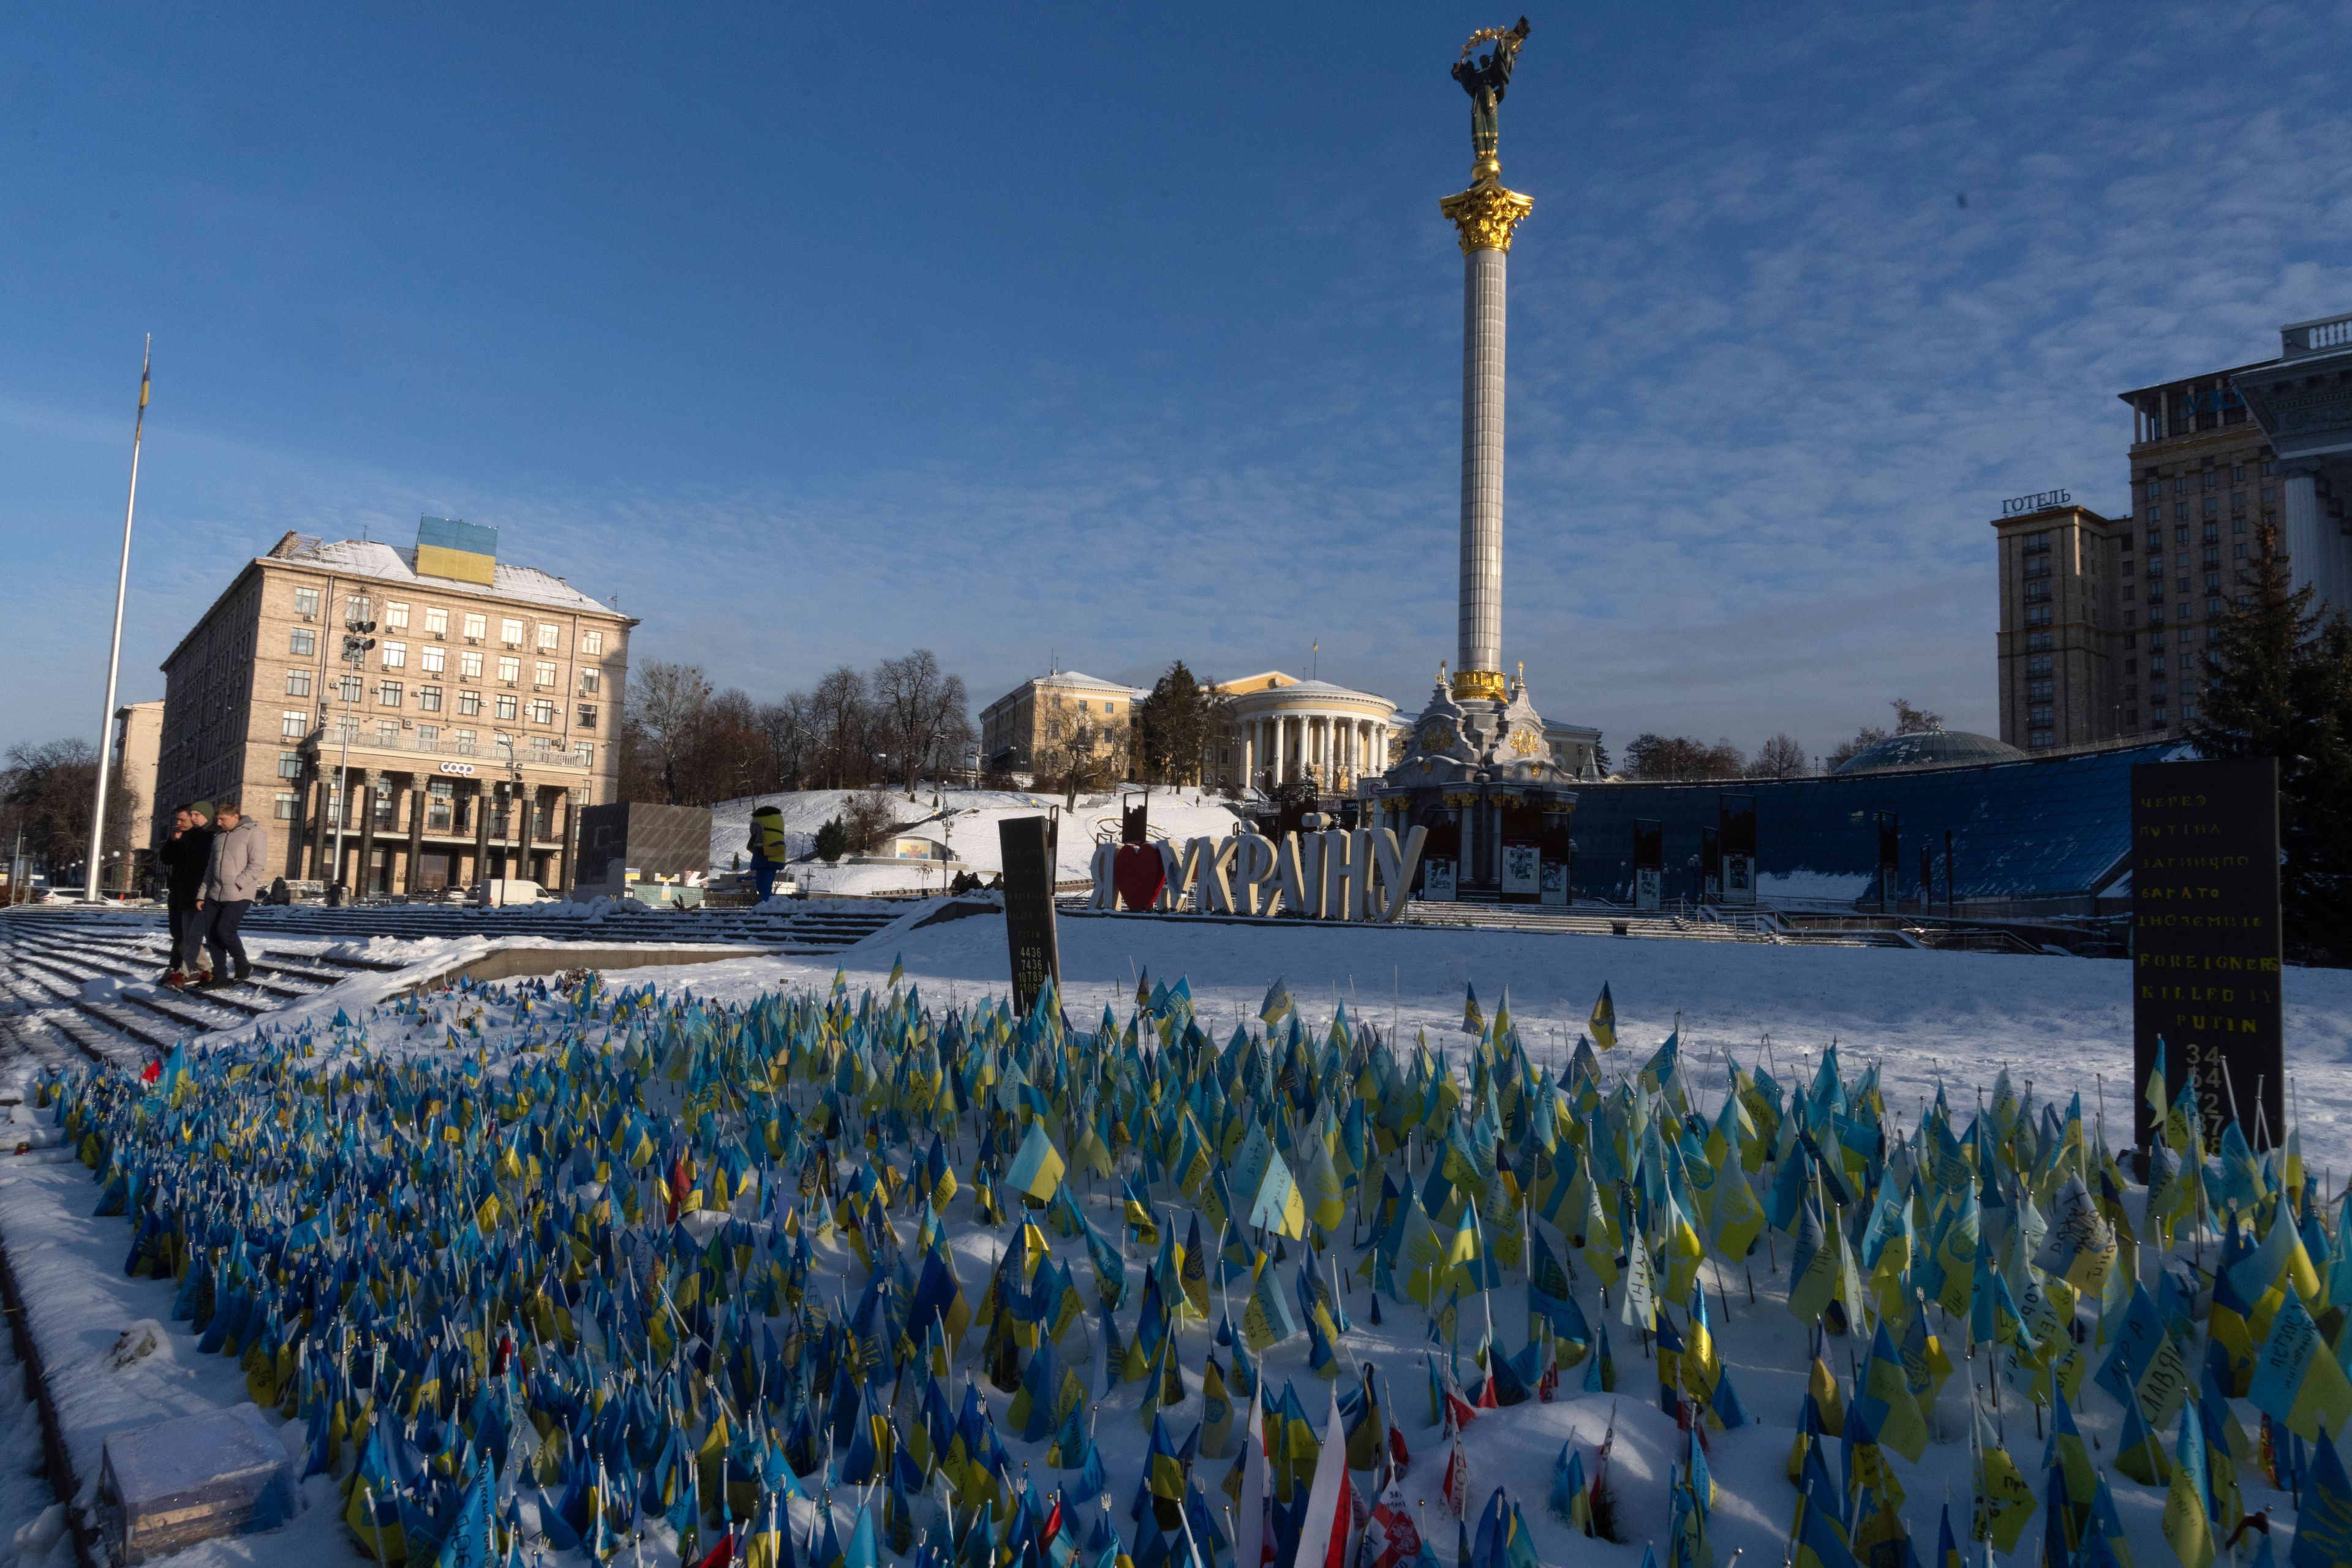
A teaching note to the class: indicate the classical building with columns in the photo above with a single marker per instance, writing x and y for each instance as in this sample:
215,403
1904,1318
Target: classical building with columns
1285,729
460,745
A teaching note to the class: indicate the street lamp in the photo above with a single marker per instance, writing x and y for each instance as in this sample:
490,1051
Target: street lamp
356,643
514,809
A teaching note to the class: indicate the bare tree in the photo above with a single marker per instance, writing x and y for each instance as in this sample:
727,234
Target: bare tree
1679,757
843,717
1079,755
922,710
1782,756
667,703
788,730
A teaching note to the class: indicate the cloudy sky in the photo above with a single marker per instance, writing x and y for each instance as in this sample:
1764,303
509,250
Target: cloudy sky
1108,338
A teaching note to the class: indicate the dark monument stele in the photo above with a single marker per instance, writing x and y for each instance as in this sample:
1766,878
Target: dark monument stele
1027,846
2205,941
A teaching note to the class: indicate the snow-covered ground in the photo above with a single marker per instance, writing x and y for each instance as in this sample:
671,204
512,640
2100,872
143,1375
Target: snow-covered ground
965,820
1929,1019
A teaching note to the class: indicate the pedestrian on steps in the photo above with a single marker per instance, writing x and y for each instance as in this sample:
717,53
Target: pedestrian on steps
187,855
239,849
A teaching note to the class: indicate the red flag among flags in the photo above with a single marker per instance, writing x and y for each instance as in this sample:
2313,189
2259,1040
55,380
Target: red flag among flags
1390,1536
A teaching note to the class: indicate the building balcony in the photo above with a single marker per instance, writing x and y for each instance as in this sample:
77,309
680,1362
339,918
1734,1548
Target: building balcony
480,750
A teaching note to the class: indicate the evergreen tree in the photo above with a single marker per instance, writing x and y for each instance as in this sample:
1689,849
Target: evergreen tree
2279,684
1176,725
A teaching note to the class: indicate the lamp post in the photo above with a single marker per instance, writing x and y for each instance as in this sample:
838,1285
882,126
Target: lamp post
514,809
356,643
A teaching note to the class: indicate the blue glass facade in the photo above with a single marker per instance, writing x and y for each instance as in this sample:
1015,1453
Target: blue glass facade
2048,829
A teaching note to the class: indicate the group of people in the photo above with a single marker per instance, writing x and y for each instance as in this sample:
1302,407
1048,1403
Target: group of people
214,865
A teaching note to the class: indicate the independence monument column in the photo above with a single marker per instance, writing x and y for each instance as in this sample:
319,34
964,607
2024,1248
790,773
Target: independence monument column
1485,215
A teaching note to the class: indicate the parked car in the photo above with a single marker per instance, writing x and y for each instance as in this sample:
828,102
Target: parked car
498,892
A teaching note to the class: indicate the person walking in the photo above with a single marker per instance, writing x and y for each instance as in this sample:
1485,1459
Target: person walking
239,849
767,848
185,856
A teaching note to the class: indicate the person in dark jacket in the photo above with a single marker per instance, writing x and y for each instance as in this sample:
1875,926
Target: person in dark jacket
185,856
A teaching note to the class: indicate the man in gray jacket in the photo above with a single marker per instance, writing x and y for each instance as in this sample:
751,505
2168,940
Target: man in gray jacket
240,848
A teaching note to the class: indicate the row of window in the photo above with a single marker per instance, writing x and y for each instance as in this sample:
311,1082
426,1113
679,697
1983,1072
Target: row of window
2208,480
432,738
512,629
302,643
391,694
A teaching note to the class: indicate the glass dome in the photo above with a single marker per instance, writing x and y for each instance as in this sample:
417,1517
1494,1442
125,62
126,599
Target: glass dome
1931,749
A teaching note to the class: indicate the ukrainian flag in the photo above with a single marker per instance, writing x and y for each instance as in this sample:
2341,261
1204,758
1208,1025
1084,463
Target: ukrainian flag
465,552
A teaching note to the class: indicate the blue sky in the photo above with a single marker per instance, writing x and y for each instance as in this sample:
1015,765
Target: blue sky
1119,337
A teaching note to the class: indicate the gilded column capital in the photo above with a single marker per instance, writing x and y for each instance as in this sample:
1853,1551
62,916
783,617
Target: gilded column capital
1486,214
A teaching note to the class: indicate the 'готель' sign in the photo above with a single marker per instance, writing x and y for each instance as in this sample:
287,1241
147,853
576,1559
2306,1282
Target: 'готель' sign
2205,941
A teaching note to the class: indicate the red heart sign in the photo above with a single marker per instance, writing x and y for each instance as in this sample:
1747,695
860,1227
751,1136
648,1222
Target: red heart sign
1139,875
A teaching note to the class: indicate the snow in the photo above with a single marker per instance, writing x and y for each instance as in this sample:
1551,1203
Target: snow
966,821
1928,1017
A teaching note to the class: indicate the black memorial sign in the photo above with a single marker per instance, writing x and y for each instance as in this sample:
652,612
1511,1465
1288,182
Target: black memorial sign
2205,941
1027,846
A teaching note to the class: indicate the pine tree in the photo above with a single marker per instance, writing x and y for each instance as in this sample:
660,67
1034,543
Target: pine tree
2280,685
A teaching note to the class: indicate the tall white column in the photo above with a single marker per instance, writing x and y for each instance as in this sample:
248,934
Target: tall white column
1479,643
1249,755
1277,748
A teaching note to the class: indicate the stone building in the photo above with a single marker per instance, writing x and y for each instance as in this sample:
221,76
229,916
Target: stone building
138,729
2107,622
1037,717
461,744
1284,728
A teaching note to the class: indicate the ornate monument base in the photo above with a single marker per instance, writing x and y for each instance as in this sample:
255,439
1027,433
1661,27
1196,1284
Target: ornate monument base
1478,774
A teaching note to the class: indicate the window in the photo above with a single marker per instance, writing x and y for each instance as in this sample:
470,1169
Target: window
547,636
2155,539
2035,544
2037,567
303,643
2238,525
2037,691
428,737
436,622
2180,509
358,607
346,728
537,754
543,673
2038,716
587,715
2038,666
306,600
298,683
591,642
350,688
2269,493
2035,615
464,741
396,654
2043,738
2189,712
2213,505
2212,534
431,660
2037,642
395,616
2128,544
583,755
2154,489
284,801
469,704
476,627
2237,473
388,694
2036,589
510,670
440,803
428,699
511,631
506,705
289,764
469,665
2237,501
2206,482
387,733
2237,552
589,679
543,712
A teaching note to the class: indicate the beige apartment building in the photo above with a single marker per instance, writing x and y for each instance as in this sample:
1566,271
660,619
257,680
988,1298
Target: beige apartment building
1044,713
2106,623
461,744
138,734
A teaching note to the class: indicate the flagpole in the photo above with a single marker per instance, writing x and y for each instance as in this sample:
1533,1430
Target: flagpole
91,892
